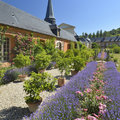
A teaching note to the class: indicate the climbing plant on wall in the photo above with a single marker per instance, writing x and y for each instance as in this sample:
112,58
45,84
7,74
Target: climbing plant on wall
24,44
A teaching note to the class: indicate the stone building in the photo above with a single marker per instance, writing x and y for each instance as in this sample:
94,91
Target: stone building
24,23
106,41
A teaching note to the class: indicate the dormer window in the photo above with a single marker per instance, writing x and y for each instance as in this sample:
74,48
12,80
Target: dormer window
55,29
58,32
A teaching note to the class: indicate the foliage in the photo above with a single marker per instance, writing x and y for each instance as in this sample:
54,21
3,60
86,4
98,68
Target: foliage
69,53
95,45
2,72
86,54
63,105
24,44
57,55
42,60
63,64
76,52
38,48
36,84
115,60
50,46
100,33
116,49
78,63
72,45
7,76
21,61
11,74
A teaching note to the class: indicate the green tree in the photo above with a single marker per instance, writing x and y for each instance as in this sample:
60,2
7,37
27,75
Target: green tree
101,34
90,35
93,35
97,34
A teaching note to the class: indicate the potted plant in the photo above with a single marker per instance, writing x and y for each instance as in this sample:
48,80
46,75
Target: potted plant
22,61
77,64
64,67
42,61
36,84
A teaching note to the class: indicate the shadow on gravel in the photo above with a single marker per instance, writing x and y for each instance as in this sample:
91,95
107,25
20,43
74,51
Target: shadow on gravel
66,77
14,113
17,81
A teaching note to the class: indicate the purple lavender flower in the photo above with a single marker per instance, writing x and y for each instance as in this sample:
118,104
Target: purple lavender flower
99,55
64,103
112,90
105,55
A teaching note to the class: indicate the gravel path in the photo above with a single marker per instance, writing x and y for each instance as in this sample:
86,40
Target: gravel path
12,103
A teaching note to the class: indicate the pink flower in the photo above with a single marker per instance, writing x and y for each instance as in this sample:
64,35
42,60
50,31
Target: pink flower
78,92
104,97
97,97
85,110
102,112
91,117
88,90
95,115
80,118
102,106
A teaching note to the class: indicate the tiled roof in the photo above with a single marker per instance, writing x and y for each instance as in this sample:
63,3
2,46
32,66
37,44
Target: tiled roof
15,17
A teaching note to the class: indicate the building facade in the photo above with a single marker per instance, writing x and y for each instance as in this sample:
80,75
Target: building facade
24,23
106,41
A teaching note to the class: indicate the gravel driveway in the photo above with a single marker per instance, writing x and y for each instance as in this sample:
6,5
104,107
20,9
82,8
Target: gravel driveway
12,103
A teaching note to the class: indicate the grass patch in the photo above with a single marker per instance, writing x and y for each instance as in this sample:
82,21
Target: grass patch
117,56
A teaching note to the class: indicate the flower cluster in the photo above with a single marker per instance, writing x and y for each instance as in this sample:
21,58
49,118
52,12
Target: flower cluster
93,100
63,105
99,55
24,44
12,74
112,90
102,55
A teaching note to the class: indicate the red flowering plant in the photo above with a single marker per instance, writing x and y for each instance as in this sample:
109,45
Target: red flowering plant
24,44
92,100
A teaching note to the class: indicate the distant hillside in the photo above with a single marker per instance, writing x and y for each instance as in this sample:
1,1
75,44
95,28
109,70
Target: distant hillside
100,33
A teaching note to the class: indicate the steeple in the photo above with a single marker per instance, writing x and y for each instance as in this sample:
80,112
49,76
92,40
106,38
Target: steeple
50,14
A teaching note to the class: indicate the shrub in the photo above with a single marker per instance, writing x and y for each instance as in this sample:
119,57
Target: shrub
78,63
69,53
115,60
64,64
42,60
2,71
116,49
36,84
12,74
21,61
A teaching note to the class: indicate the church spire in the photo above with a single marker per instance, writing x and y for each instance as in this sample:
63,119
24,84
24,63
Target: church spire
50,14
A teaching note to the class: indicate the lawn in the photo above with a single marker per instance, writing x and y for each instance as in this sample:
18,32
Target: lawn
118,60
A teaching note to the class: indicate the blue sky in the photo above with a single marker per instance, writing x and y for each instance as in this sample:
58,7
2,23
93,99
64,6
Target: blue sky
86,15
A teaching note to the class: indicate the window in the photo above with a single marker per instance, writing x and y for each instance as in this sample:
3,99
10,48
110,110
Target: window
68,46
59,45
4,50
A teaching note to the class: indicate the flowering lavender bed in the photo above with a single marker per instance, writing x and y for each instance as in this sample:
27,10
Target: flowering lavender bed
64,103
105,55
112,90
12,74
99,55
